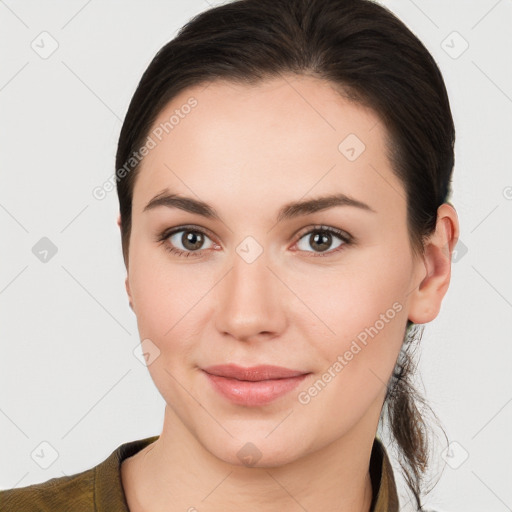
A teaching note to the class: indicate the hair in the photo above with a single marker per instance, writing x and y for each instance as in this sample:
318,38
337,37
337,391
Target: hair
370,57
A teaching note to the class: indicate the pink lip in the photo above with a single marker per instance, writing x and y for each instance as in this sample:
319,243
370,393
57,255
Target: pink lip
253,386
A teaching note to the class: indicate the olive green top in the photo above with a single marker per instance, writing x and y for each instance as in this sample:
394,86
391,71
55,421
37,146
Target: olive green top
100,489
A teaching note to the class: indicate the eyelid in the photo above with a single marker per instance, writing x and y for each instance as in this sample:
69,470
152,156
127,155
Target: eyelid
346,237
186,227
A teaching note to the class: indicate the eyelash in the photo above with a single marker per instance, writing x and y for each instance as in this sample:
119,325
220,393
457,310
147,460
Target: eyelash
163,238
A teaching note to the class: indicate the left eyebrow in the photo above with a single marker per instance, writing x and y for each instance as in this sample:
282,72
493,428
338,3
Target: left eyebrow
288,211
183,203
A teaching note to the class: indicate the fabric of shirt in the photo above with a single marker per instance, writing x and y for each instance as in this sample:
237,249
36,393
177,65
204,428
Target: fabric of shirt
100,488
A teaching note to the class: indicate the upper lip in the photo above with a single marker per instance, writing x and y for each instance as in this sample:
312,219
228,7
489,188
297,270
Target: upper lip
253,373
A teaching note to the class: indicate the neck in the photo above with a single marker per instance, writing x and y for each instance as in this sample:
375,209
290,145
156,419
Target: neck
177,473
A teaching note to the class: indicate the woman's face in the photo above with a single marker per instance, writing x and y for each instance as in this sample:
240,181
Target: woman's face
261,287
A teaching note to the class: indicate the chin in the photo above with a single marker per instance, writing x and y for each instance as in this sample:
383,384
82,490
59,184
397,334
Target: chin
255,450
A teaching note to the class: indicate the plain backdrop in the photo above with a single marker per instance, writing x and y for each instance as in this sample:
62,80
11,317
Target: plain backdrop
71,385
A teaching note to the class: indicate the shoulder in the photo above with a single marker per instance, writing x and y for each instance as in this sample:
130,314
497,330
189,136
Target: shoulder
98,489
74,492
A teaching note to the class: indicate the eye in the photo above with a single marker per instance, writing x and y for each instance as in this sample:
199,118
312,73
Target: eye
188,241
185,241
321,238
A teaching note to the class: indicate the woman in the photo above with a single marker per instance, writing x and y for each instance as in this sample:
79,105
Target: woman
283,174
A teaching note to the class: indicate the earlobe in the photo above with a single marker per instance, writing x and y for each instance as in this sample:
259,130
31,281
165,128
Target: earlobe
427,297
119,220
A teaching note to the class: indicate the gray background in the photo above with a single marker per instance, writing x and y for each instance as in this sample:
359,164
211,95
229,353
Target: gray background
68,373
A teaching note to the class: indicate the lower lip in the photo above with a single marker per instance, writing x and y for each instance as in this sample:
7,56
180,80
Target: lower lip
243,392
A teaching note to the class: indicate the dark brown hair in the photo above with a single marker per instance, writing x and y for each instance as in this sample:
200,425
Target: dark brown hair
373,59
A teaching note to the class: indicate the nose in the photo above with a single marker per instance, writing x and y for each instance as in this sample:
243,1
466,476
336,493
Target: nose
251,299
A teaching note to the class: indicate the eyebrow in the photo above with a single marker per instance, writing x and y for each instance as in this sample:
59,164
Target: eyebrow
288,211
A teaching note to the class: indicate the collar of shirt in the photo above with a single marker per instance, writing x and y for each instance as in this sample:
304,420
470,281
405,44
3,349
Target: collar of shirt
110,496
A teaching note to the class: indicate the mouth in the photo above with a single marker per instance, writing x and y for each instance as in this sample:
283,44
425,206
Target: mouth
254,386
253,373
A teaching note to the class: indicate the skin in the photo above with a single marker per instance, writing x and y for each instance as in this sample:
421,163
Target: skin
248,150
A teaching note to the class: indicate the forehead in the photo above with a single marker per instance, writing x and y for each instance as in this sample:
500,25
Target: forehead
292,135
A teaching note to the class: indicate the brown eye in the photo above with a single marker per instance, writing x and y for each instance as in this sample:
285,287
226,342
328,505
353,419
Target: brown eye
192,240
321,239
187,241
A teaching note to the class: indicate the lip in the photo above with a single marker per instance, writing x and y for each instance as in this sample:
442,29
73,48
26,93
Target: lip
253,373
257,385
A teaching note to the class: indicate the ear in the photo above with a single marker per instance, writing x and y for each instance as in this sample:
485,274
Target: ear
126,281
127,286
427,297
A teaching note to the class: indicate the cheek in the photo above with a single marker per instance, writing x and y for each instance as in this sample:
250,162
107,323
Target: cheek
168,297
356,362
356,320
156,292
365,334
341,302
164,301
